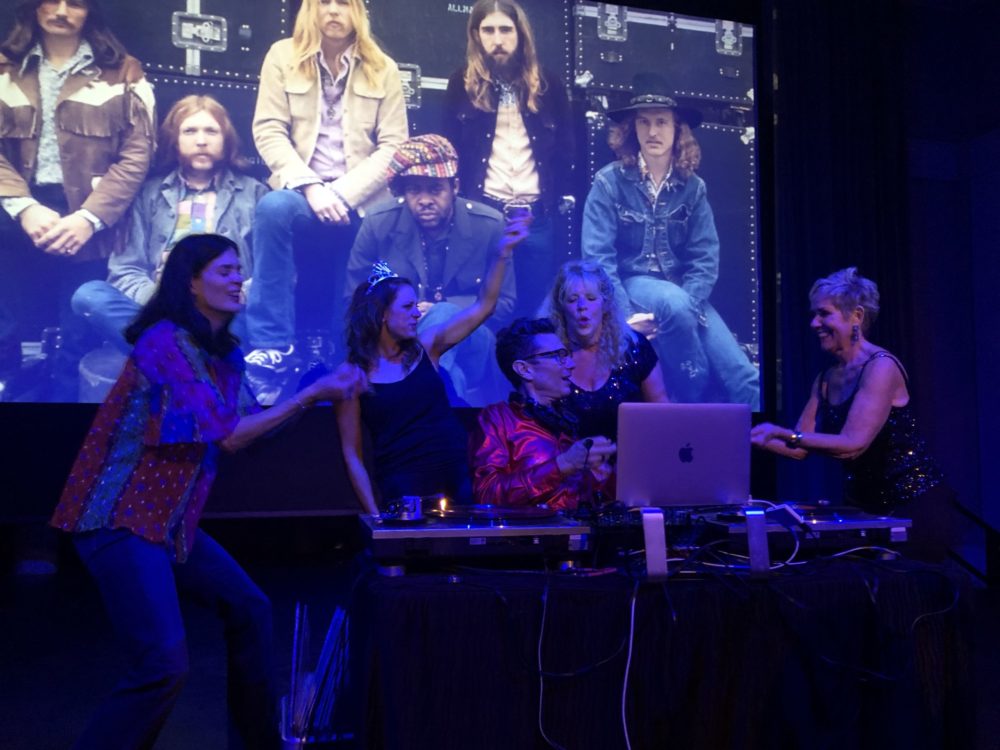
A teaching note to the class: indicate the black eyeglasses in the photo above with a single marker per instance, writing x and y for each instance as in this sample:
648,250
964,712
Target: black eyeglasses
559,355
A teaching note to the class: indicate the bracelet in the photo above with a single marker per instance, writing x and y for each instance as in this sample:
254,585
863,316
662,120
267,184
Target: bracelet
794,440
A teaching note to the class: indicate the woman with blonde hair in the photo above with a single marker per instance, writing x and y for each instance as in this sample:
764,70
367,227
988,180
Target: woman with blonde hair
330,114
614,364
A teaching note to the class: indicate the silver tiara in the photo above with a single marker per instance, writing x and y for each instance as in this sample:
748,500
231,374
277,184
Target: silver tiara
380,272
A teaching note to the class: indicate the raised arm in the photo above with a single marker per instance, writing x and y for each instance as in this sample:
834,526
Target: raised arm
440,338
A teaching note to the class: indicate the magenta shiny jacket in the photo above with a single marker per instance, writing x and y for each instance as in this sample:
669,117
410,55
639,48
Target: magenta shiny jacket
516,464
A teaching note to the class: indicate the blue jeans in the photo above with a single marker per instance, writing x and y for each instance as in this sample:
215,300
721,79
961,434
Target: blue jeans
110,312
534,267
472,364
299,272
140,586
691,353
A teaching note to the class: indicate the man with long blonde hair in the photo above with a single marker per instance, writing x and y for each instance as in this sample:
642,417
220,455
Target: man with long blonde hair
330,114
509,119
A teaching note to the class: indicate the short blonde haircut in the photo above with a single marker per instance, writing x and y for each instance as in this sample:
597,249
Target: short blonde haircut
849,290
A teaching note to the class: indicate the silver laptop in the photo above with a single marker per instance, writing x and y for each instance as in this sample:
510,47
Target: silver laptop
683,454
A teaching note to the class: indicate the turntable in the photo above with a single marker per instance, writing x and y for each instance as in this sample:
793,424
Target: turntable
460,532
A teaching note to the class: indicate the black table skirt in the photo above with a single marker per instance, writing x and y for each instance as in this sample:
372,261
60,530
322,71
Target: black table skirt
834,655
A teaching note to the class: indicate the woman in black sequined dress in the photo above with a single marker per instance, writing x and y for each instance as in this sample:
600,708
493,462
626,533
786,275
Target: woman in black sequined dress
614,364
859,412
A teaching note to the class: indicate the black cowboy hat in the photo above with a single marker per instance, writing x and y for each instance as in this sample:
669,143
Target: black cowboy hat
650,91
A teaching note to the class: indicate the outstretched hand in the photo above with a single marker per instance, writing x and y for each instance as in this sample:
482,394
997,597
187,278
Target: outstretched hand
765,432
343,384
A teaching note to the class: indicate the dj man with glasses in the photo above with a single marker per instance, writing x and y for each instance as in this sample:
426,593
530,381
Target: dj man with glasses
531,452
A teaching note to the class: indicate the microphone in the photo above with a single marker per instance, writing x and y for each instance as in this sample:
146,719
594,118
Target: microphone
588,443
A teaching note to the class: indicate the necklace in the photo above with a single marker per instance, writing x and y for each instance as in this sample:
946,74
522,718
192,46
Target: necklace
434,255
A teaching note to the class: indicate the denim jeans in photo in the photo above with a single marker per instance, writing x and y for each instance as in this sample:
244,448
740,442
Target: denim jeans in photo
299,272
693,354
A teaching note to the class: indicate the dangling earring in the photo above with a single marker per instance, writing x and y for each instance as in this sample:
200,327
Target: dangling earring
855,333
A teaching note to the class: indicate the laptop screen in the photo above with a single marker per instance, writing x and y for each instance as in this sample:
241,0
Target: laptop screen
683,454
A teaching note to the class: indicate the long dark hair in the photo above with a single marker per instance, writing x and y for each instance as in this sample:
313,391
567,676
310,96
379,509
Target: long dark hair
364,323
108,50
174,301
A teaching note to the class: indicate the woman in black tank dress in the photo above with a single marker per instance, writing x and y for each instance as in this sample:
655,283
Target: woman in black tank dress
859,412
419,445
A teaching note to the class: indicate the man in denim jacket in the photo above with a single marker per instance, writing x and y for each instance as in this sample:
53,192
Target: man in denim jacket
197,187
647,221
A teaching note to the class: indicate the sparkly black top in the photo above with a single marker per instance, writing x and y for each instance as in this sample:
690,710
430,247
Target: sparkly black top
896,468
597,411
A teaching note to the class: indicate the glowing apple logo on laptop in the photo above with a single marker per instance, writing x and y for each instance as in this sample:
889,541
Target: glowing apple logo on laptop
686,454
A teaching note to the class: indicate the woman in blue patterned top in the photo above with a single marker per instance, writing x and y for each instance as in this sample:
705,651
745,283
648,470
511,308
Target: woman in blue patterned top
614,364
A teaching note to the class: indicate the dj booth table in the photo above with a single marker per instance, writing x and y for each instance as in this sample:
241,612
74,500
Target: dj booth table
836,654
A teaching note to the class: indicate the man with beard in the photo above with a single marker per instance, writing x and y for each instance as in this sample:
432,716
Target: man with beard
510,122
76,136
444,244
198,187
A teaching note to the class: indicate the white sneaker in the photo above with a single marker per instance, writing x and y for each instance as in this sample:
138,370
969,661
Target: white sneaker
271,359
267,371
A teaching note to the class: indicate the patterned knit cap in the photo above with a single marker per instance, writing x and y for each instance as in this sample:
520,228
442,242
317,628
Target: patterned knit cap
424,156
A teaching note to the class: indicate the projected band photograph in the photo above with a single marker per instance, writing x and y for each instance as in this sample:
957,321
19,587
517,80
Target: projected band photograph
621,138
502,374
